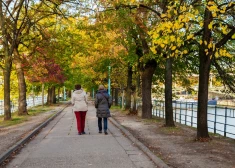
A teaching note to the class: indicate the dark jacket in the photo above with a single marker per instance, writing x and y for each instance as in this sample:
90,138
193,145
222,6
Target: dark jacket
102,103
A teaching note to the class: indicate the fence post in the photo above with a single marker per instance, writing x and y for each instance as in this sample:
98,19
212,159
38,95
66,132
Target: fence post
163,114
215,119
180,112
192,116
175,109
186,112
225,122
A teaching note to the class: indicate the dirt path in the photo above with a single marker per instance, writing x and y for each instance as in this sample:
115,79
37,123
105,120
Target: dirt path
176,146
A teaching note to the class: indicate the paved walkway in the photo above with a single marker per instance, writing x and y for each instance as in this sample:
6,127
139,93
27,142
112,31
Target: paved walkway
59,146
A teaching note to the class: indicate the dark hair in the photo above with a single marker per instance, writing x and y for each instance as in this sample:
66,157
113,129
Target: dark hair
77,87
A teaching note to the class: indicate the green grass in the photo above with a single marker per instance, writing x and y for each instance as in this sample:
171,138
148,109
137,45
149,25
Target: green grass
20,119
153,120
115,108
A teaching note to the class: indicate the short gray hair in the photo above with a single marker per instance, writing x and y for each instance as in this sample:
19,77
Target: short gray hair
101,87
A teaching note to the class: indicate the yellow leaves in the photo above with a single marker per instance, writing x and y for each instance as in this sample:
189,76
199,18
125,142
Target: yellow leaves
163,15
173,48
169,15
172,38
230,4
214,14
162,45
210,46
200,42
183,8
201,24
177,26
210,25
212,7
213,47
153,49
175,12
228,55
185,51
211,3
224,29
222,53
233,36
222,11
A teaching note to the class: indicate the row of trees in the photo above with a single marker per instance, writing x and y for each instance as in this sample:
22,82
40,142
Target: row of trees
60,43
177,38
30,47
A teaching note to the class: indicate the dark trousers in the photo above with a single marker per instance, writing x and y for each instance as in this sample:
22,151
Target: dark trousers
80,116
105,124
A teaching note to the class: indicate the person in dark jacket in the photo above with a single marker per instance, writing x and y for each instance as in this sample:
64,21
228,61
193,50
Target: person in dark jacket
103,102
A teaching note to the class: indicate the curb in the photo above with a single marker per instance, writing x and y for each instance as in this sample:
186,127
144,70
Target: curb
139,144
17,145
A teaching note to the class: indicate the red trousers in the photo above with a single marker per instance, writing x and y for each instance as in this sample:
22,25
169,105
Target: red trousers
80,116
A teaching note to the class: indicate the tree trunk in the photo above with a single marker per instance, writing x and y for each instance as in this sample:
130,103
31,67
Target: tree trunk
53,95
116,96
22,103
49,96
204,71
168,94
134,109
7,65
129,85
7,101
123,101
113,92
58,95
43,94
146,76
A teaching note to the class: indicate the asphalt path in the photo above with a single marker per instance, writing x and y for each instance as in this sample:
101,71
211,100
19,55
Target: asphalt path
58,145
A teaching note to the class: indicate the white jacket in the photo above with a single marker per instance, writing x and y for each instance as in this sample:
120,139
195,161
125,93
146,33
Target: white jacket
79,101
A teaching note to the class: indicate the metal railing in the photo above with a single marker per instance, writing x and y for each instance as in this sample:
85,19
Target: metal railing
31,102
220,119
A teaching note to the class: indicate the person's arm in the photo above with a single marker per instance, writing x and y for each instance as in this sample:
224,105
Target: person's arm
72,100
86,99
96,101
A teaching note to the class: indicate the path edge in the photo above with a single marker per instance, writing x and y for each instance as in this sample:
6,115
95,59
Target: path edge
20,143
140,145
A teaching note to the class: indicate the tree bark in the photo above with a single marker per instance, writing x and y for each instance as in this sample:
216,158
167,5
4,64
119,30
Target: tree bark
134,109
204,71
22,103
53,95
7,65
49,96
43,94
169,120
7,101
146,76
129,84
116,96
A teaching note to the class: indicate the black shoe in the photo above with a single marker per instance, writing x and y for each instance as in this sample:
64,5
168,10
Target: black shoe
100,132
79,133
83,132
106,133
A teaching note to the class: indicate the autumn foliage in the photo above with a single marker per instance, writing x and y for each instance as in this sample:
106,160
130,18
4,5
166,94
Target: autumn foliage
43,69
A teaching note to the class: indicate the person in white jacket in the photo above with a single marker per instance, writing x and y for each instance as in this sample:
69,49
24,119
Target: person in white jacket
80,107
